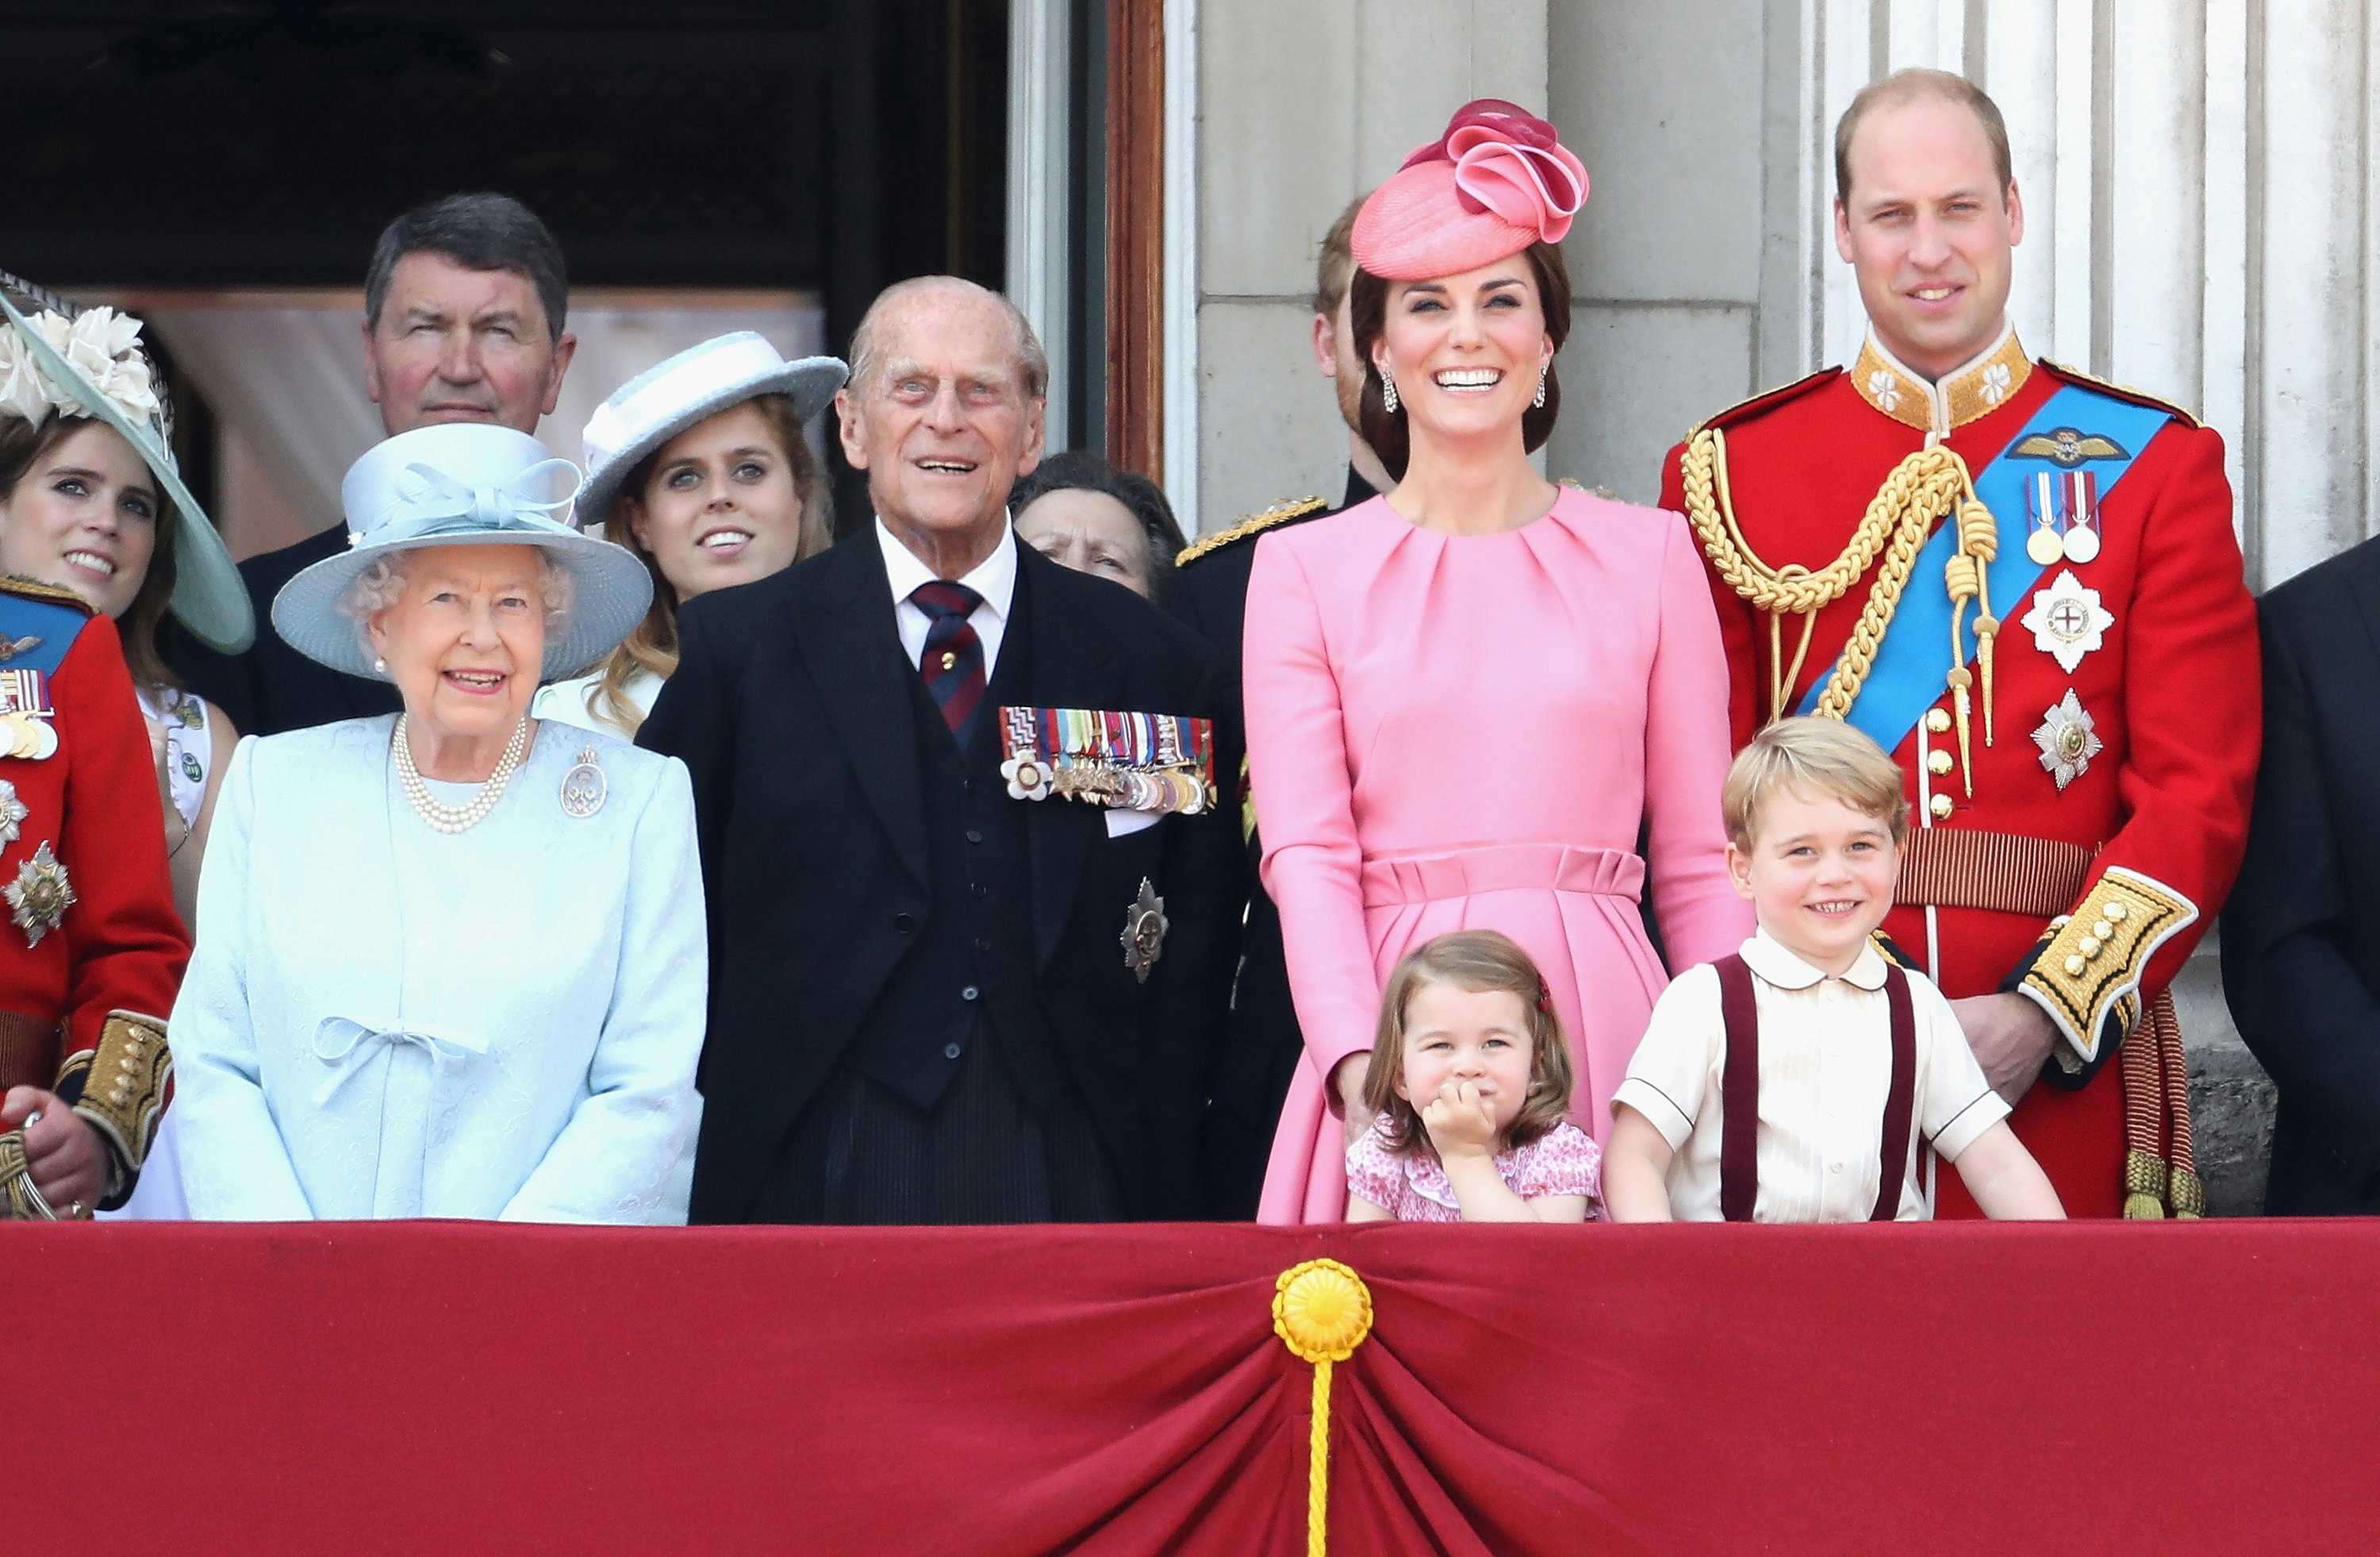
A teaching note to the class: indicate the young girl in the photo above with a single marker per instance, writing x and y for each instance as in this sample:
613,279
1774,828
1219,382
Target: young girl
1469,1089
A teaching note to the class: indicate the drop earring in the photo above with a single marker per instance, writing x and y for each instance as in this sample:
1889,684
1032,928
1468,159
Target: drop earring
1389,393
381,665
1540,401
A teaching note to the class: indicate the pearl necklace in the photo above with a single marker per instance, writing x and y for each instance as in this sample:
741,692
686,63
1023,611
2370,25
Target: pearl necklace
451,819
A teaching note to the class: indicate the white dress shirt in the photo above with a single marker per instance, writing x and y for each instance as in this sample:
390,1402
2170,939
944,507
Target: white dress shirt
994,578
1826,1066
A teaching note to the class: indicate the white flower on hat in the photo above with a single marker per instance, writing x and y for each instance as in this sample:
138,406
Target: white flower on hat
24,390
100,344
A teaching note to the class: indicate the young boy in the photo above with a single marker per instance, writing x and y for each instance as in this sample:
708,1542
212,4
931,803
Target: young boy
1780,1084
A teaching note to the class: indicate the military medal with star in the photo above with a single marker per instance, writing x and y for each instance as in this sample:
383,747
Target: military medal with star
2067,621
1144,925
40,896
2068,741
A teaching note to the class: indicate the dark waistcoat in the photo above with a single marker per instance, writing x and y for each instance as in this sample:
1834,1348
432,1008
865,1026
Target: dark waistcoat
971,970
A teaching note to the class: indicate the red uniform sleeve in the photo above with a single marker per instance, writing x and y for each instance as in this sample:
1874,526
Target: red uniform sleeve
2192,723
126,945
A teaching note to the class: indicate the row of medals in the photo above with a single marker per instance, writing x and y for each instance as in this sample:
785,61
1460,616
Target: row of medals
1162,790
27,736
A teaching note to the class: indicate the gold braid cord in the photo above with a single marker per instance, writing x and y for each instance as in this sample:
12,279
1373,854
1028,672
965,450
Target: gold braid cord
19,1202
1931,484
1322,1311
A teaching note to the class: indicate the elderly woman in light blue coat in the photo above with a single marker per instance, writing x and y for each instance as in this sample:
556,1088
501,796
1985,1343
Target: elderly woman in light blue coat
451,963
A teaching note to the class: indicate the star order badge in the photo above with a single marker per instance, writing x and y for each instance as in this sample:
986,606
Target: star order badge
2068,741
12,813
1144,930
41,894
2067,621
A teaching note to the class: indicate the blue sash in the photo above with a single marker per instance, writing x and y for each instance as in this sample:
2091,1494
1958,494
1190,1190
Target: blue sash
1908,674
52,627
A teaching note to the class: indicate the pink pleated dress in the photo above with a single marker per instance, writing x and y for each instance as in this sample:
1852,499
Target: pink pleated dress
1466,732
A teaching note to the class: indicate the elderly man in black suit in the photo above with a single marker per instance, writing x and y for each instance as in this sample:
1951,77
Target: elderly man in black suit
464,308
942,990
2302,929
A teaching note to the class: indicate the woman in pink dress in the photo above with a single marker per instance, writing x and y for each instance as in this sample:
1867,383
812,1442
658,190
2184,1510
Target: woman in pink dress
1465,698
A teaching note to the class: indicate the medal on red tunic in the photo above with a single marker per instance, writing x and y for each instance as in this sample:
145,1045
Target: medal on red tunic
12,813
1160,762
25,714
40,896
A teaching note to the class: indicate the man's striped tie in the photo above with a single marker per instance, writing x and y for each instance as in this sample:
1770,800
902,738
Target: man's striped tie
953,664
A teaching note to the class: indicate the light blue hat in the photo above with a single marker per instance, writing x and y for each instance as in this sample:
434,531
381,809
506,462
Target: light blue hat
56,356
465,485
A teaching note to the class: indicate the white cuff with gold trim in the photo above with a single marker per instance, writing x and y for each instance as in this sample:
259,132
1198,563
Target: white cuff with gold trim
2092,966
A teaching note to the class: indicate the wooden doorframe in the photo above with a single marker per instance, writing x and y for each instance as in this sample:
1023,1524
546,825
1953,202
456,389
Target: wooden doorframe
1135,236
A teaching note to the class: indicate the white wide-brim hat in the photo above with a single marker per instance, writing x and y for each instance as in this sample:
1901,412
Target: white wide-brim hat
464,484
697,383
37,378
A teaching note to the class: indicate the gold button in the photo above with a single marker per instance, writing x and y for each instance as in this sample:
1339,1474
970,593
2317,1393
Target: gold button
1937,762
1942,808
2075,967
2088,946
2103,931
1937,720
950,660
2115,911
129,1065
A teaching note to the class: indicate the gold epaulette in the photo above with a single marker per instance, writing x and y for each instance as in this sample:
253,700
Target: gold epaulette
1279,512
1764,399
33,589
2121,391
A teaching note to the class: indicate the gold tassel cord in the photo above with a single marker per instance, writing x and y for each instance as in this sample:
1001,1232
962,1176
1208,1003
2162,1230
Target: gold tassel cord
1322,1311
1929,485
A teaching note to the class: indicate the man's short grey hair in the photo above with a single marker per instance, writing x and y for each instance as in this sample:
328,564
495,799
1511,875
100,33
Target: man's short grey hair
479,232
867,351
382,585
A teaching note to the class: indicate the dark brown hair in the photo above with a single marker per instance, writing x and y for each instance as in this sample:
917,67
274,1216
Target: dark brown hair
1334,263
1368,314
22,445
1479,961
1908,86
652,644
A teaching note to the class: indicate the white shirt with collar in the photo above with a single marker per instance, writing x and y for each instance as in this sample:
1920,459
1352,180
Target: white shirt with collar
1826,1066
994,578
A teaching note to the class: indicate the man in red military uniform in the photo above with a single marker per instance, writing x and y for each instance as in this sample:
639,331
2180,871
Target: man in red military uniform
94,949
2024,583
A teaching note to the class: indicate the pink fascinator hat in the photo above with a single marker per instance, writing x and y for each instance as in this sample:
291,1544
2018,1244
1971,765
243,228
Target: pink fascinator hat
1497,181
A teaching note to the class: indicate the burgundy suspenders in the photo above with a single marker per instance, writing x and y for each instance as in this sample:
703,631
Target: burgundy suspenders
1739,1182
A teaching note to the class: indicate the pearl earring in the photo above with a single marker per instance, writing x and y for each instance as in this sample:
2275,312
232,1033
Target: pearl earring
381,665
1389,393
1541,389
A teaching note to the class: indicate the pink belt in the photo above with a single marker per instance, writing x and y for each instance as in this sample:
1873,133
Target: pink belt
1423,878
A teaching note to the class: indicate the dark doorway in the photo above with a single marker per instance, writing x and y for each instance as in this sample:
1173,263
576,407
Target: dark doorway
832,146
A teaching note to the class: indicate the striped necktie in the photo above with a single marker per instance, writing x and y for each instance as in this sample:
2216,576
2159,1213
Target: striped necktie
953,664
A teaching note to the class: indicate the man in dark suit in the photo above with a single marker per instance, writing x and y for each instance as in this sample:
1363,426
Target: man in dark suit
1262,1043
2302,931
941,992
464,307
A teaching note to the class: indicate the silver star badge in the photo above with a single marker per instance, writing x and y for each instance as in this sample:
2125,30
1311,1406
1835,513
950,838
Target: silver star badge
12,813
2067,621
41,894
2068,741
1144,930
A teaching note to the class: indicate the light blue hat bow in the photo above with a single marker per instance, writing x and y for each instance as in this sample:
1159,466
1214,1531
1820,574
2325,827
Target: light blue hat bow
465,485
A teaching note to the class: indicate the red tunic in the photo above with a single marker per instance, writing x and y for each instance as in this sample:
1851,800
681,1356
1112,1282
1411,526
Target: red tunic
2172,691
118,949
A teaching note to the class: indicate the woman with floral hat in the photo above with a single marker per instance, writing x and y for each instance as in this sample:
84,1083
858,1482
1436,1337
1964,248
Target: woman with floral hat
91,500
1465,699
452,961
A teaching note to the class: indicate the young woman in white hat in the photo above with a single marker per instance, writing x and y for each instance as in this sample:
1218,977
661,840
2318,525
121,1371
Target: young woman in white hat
453,960
699,467
91,500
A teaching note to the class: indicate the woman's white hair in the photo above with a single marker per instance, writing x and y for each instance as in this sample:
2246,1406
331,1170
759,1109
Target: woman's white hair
381,584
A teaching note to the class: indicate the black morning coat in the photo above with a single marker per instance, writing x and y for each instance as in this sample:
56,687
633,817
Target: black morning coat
2302,929
272,687
790,707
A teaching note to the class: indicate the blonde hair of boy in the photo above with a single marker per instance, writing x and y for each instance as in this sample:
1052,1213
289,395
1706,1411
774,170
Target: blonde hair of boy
1815,758
1479,961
